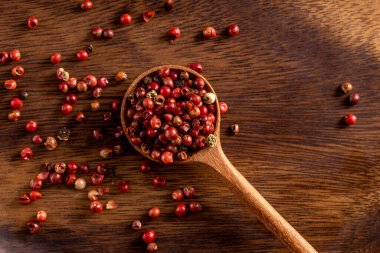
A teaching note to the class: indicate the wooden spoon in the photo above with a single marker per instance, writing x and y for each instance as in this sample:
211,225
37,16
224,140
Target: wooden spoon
215,158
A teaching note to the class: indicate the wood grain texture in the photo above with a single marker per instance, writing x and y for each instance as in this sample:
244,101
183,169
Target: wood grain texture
279,77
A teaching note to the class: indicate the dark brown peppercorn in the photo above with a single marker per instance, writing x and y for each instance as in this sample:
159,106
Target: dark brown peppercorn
148,80
50,143
107,33
354,98
63,134
118,150
89,48
23,95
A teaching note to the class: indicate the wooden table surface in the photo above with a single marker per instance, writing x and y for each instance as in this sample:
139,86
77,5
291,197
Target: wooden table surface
279,78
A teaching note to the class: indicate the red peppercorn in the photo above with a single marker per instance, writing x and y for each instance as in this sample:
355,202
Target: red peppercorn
189,191
354,98
66,108
145,167
26,153
159,181
174,33
233,30
209,32
97,32
167,157
15,55
84,169
16,103
91,81
70,179
37,139
154,212
32,22
126,19
72,168
195,207
96,206
41,216
350,119
165,91
17,71
97,93
196,66
71,99
116,105
86,5
4,57
123,186
96,179
171,133
149,236
24,199
55,178
181,210
31,126
99,134
63,87
32,227
177,195
223,107
10,84
82,55
55,58
34,195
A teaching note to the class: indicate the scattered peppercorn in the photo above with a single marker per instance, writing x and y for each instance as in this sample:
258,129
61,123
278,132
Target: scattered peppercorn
26,153
154,212
354,98
80,117
41,216
97,32
32,227
136,225
209,32
96,206
233,30
174,33
37,139
149,236
17,71
107,34
350,119
148,15
159,181
177,195
86,5
346,87
195,207
24,199
63,134
50,143
181,210
15,55
152,247
105,153
95,105
80,184
14,115
32,22
189,191
82,55
31,126
55,58
223,107
121,76
126,19
23,95
66,108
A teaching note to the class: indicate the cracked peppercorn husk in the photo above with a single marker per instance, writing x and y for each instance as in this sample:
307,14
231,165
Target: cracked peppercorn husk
63,134
211,140
50,143
151,94
148,80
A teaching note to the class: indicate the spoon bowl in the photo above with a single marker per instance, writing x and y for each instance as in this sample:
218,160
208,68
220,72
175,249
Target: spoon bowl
215,158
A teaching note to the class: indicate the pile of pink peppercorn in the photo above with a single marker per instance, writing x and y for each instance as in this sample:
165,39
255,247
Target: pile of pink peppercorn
170,116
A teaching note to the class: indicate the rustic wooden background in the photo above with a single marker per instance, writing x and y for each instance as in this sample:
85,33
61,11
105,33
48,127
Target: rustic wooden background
280,79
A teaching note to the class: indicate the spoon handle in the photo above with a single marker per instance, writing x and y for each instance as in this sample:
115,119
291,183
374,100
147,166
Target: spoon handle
216,159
